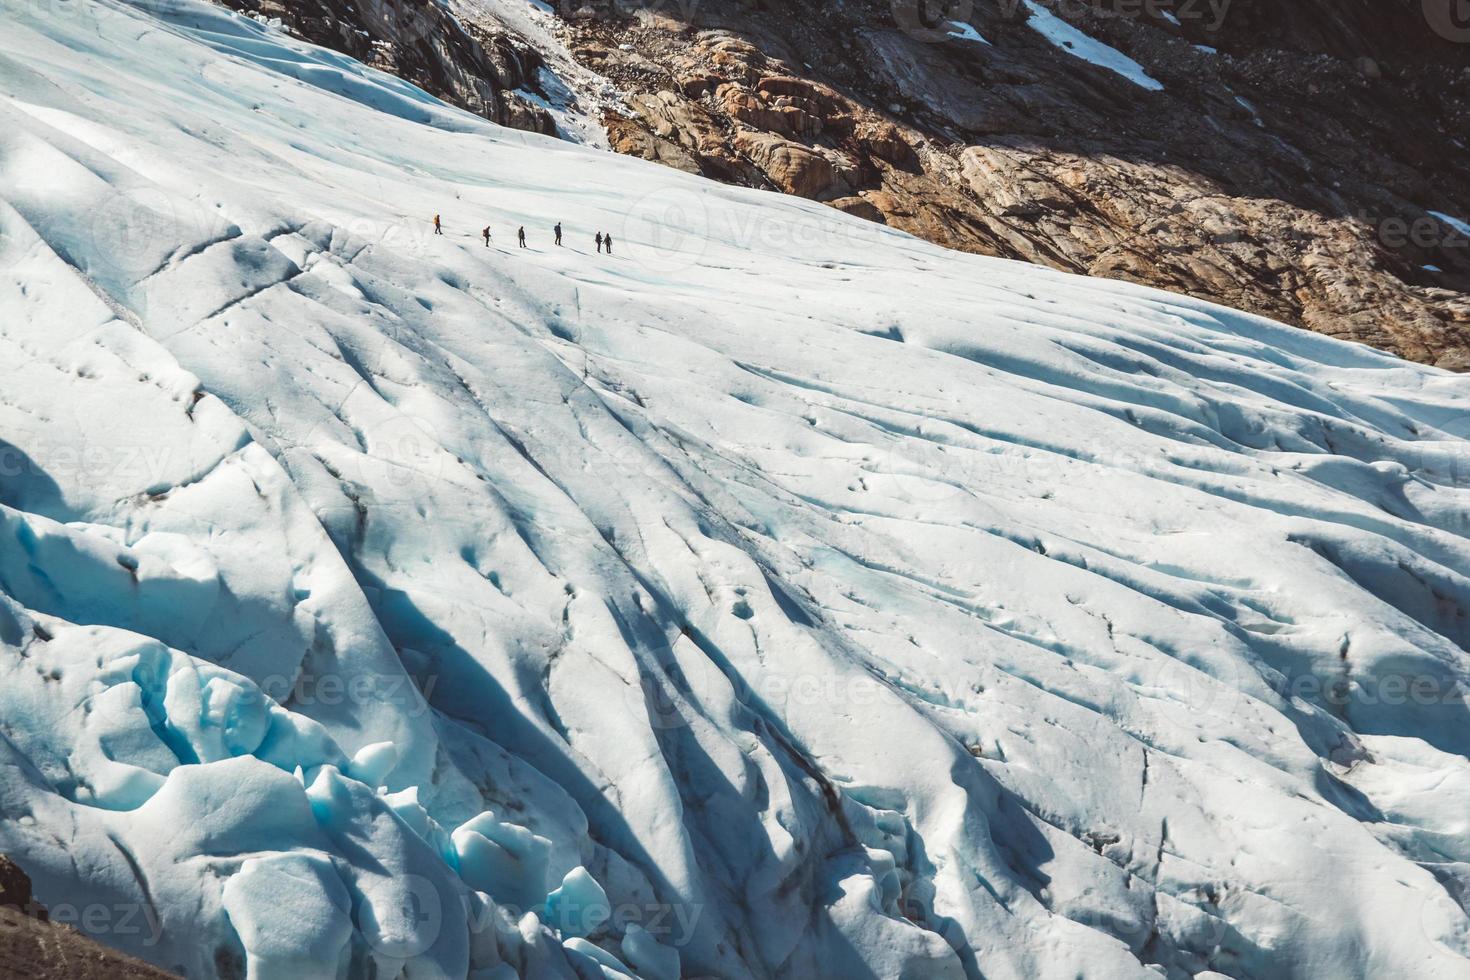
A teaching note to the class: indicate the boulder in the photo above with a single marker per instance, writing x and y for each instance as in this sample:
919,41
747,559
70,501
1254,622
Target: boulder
792,167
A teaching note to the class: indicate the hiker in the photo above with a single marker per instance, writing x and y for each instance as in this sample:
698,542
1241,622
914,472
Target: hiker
438,230
522,236
607,240
599,243
486,235
558,232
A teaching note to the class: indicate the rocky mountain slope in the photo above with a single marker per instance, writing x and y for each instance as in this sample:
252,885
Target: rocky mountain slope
36,946
1305,161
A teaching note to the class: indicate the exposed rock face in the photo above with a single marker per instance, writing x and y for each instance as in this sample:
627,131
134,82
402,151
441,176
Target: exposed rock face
1288,167
1289,172
474,65
793,167
34,947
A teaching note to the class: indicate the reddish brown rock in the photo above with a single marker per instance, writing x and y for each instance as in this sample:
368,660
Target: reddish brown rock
792,167
35,948
1274,202
1289,174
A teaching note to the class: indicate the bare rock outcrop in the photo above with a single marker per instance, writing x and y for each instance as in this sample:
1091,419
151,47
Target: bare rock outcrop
1296,161
1277,171
33,946
463,63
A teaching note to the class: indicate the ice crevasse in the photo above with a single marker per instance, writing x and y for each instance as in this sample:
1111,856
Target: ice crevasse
190,770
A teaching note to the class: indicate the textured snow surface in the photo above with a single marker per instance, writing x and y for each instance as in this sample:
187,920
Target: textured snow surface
1069,39
1462,227
966,32
778,596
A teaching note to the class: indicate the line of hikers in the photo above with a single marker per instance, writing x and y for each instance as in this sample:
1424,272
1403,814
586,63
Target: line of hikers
604,239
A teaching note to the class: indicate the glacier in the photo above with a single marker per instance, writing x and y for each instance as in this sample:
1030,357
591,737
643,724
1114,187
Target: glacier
778,596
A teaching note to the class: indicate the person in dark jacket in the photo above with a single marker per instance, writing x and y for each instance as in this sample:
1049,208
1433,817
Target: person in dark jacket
607,240
485,233
521,236
558,232
599,243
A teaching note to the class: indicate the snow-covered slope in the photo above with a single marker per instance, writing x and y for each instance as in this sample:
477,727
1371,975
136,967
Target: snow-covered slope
777,596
